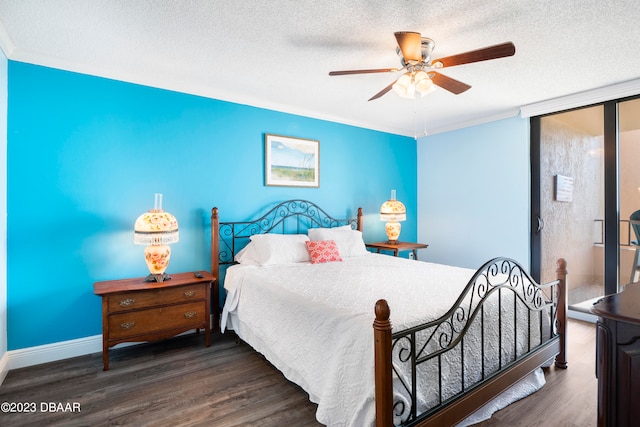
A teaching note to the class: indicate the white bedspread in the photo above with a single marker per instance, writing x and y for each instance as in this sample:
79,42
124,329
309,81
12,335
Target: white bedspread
277,308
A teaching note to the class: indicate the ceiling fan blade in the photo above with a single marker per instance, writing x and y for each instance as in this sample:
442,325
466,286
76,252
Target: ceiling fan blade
383,91
410,45
375,70
452,85
492,52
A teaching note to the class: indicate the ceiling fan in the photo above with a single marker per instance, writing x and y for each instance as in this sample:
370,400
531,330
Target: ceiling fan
415,56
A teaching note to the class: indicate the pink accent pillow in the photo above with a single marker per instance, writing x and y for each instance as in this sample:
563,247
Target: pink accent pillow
323,251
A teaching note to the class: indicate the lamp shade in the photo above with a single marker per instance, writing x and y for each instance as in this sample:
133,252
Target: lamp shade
393,210
156,228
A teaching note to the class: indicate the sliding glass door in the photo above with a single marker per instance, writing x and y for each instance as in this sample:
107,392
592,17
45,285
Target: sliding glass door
571,199
629,185
585,187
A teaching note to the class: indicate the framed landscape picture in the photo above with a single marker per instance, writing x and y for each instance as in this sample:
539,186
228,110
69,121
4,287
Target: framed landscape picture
291,162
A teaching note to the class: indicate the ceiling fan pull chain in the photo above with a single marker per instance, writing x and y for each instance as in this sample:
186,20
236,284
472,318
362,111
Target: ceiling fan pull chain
415,119
425,120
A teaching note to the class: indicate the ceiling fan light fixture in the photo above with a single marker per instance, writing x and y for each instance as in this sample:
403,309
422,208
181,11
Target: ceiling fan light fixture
423,83
412,83
405,86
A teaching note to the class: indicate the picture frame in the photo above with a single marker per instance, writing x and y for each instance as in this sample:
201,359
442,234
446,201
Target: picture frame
564,188
291,162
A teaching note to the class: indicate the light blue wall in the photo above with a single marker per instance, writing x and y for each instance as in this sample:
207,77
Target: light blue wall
86,155
473,194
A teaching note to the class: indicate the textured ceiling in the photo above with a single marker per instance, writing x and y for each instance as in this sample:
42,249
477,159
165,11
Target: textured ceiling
277,54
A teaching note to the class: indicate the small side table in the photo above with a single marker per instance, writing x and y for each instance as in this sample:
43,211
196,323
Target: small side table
135,310
397,247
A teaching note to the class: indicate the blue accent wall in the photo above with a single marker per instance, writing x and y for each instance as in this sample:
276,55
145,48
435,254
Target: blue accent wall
86,155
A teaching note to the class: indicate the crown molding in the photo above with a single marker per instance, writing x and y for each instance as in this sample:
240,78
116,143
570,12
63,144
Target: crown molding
6,43
507,114
582,99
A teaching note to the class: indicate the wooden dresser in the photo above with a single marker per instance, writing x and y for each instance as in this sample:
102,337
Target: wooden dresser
134,310
618,358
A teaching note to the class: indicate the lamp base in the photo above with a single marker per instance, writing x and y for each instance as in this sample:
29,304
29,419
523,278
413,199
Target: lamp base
157,258
392,229
157,277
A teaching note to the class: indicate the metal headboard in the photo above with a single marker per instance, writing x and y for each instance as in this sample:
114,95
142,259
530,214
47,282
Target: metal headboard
290,217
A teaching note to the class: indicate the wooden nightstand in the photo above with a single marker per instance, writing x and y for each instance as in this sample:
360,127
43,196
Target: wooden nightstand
134,310
397,247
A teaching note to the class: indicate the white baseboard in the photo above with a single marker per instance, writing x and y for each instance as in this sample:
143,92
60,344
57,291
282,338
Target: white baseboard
55,351
4,366
15,359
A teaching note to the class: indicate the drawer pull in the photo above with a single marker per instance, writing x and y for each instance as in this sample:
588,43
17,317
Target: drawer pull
189,293
127,302
190,314
127,325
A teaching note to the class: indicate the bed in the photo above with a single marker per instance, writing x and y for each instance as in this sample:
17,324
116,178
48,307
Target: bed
303,291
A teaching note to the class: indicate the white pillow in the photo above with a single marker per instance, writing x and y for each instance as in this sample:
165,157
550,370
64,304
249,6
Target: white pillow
247,255
319,233
349,241
271,249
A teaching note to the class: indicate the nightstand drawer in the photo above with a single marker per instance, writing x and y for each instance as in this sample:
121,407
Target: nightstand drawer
155,297
157,319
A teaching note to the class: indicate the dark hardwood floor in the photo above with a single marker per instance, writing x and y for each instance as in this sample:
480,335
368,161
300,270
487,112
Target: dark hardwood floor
179,382
570,396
